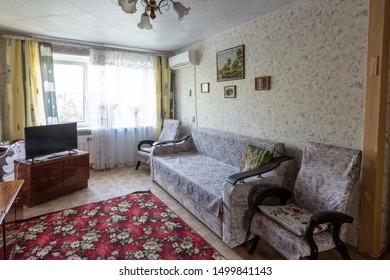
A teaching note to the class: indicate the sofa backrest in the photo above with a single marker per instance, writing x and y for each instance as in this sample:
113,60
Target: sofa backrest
229,147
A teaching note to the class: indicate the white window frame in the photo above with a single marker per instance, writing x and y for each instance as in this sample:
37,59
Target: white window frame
70,59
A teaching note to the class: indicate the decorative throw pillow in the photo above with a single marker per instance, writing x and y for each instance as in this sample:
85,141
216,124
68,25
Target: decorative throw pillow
255,158
291,217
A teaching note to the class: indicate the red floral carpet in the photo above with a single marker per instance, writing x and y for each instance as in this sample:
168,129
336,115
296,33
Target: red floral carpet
135,226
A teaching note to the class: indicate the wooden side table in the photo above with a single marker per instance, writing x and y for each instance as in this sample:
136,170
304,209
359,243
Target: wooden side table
11,212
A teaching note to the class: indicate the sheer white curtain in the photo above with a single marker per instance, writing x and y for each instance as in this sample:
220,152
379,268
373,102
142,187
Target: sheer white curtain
122,105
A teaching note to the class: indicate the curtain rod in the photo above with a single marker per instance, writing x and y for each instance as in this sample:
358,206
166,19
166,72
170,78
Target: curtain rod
81,44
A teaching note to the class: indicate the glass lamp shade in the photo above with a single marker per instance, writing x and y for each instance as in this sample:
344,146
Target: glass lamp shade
128,6
181,10
145,22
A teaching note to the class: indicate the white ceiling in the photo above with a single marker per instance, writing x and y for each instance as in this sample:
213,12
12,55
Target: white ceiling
103,21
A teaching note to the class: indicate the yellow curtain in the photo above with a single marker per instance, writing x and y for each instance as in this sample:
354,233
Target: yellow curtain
164,92
35,111
24,102
14,98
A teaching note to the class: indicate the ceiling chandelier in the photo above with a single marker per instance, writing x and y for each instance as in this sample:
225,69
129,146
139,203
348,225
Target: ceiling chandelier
151,6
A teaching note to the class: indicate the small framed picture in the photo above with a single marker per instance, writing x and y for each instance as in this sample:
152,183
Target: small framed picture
230,91
205,87
263,83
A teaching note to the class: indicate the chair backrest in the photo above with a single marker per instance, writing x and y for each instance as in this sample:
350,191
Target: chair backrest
327,176
170,130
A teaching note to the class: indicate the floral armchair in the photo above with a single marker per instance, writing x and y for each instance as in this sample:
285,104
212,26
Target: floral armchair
313,219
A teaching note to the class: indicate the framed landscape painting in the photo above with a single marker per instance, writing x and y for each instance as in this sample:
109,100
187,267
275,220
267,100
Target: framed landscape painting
231,64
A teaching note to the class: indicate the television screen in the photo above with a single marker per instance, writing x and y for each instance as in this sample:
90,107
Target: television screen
49,139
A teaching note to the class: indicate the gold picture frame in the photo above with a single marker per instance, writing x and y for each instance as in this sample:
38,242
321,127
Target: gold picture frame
231,64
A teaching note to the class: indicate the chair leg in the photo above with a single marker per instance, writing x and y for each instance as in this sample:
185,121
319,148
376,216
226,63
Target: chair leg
313,256
255,241
343,251
340,246
138,163
313,248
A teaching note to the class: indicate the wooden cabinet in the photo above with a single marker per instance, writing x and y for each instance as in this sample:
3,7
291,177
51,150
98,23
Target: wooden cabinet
52,178
11,215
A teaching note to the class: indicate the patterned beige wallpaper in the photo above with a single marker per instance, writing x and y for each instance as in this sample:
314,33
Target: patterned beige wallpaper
315,53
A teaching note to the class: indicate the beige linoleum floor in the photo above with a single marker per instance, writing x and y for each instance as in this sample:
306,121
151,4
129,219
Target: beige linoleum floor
125,180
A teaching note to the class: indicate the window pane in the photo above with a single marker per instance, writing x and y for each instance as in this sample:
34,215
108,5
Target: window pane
69,82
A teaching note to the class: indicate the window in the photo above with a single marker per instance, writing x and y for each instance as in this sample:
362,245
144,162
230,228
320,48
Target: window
119,91
71,76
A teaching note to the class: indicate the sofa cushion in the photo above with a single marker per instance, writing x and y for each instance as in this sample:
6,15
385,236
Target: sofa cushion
255,158
197,176
293,218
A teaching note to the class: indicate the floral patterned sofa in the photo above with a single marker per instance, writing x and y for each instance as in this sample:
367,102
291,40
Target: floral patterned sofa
195,172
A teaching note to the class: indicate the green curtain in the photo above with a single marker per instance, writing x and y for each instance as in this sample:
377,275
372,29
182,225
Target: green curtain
47,74
164,92
24,99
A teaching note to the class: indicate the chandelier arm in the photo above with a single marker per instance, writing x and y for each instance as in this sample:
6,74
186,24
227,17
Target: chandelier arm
164,3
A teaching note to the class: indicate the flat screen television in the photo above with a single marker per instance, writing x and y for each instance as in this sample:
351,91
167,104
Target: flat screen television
49,139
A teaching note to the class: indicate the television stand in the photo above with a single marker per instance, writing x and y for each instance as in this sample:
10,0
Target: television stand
46,180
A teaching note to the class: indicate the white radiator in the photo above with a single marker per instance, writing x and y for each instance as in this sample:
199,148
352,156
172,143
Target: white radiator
85,144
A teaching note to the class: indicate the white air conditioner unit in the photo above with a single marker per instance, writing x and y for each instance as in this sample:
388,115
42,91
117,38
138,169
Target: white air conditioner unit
184,59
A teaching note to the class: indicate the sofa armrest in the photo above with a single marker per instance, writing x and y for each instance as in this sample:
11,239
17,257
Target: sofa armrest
271,165
181,145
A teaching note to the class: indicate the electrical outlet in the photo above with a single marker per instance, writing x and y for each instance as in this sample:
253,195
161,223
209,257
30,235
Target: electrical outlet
193,119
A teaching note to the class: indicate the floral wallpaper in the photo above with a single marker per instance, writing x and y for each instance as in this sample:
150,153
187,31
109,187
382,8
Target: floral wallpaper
315,53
